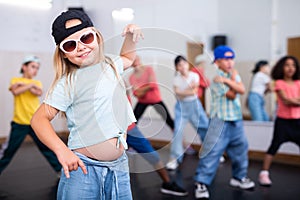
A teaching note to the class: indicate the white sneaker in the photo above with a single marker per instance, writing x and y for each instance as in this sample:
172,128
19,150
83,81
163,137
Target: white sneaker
201,191
264,179
245,183
172,165
222,159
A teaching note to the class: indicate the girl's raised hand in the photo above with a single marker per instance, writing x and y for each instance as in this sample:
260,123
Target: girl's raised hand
135,31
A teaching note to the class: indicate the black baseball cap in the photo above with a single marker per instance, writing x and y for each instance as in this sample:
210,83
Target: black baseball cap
59,30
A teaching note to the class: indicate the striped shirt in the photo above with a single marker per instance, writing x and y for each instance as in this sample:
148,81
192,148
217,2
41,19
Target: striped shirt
221,106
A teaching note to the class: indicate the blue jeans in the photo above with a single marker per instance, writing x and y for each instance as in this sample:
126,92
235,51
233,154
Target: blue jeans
232,140
105,180
256,105
138,142
190,111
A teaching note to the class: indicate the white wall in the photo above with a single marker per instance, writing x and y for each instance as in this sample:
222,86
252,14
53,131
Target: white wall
247,26
259,29
287,20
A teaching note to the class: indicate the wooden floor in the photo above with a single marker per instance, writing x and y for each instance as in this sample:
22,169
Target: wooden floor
30,177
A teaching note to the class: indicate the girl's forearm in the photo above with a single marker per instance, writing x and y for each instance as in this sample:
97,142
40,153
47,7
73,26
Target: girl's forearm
132,34
186,92
292,102
128,51
141,91
145,88
47,135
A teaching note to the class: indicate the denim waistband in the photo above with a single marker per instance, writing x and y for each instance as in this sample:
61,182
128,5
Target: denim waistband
255,93
188,101
120,164
106,174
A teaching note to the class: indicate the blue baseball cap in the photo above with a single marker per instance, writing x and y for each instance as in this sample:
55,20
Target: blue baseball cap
223,51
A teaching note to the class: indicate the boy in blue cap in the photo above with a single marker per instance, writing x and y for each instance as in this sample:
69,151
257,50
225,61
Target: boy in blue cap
225,132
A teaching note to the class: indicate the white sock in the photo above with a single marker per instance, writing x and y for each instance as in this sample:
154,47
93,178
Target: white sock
264,172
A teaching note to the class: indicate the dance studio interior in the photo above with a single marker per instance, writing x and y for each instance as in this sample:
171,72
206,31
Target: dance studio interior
255,30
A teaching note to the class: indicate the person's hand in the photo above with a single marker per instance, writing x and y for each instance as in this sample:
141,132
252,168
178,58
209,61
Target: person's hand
135,31
70,162
230,94
180,97
34,87
139,93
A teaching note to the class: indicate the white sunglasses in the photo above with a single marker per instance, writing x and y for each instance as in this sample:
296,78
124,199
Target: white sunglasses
69,46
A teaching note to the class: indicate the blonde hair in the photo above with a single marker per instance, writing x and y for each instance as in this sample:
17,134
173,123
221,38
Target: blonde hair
63,67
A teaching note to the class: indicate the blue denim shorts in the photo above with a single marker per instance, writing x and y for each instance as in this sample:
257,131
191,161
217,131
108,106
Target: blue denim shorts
104,180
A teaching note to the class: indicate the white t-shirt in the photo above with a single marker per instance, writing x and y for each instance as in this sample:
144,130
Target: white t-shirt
183,83
259,82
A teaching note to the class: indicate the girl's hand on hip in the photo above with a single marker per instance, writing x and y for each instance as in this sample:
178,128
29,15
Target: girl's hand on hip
70,162
135,31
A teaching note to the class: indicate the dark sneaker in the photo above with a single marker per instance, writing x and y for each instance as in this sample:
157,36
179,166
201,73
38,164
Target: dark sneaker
201,191
245,183
173,189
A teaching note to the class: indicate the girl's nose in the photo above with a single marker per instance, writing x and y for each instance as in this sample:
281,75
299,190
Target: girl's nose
80,46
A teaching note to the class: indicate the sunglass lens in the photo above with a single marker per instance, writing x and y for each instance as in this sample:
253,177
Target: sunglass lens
69,46
87,38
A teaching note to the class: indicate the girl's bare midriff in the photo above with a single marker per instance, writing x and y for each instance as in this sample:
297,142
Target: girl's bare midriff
104,151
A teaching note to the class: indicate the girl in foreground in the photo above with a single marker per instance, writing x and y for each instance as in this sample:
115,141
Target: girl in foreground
88,89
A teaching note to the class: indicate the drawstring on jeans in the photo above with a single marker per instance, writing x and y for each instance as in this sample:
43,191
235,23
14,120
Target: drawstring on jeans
121,139
110,189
